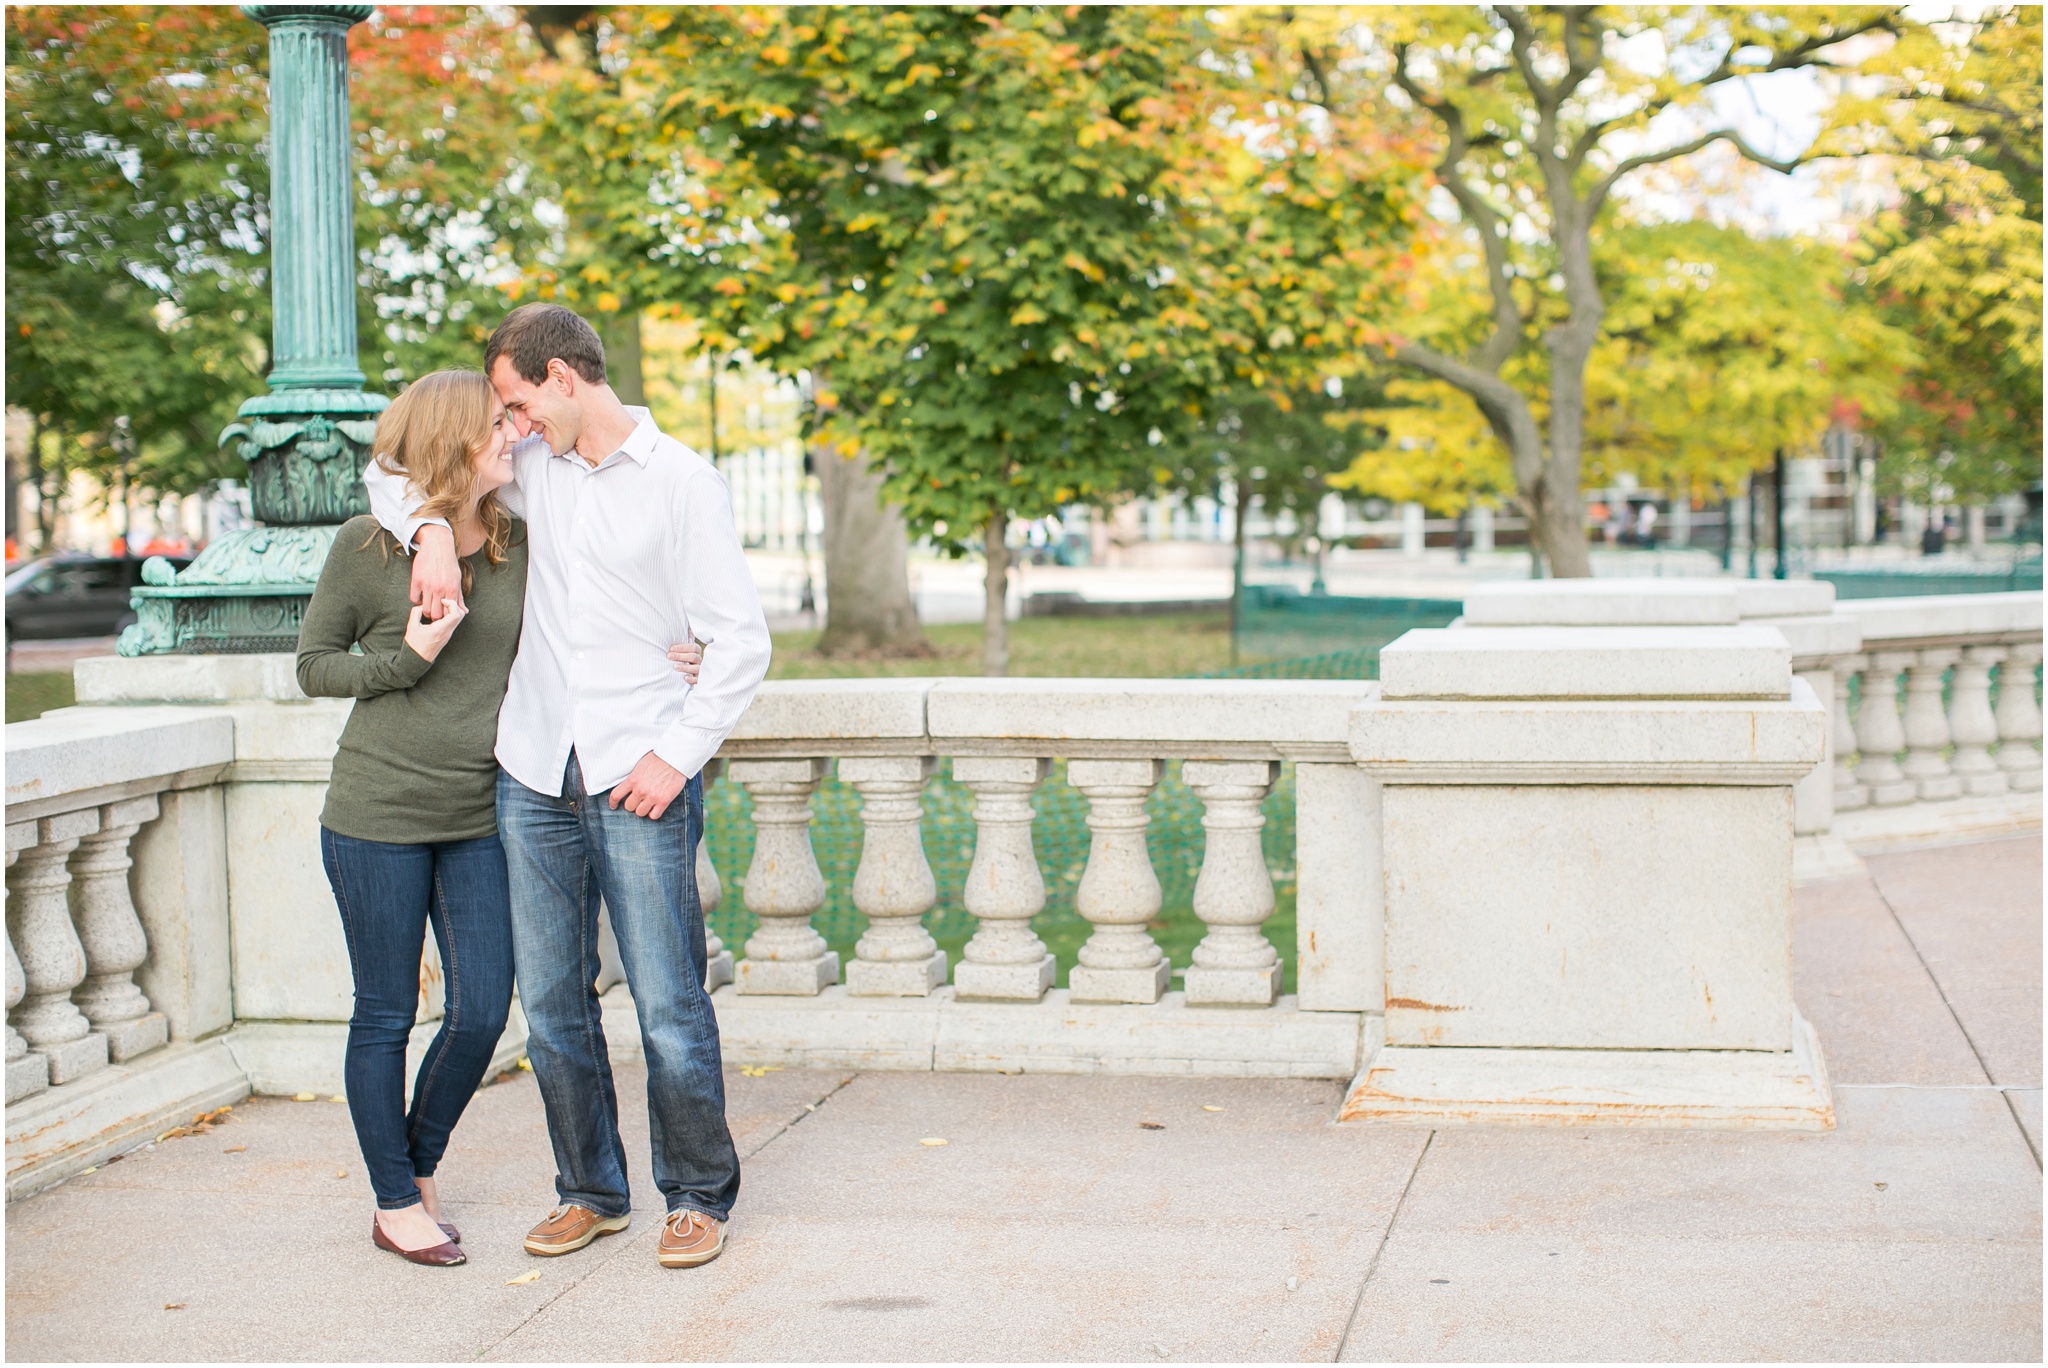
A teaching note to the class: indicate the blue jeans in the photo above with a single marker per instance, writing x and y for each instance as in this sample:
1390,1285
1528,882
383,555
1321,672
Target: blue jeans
388,895
564,853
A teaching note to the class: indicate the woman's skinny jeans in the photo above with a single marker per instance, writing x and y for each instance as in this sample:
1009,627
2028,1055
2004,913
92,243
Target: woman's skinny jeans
388,895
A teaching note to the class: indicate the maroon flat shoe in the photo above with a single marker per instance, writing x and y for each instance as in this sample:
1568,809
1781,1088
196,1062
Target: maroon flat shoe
448,1229
433,1256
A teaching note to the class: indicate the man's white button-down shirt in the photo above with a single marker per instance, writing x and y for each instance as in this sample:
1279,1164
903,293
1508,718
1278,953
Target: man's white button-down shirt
624,560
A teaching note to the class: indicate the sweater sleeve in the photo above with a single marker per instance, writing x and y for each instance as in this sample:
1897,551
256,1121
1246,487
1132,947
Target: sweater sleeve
335,621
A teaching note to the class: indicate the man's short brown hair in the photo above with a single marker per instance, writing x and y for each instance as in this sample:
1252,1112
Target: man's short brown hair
534,334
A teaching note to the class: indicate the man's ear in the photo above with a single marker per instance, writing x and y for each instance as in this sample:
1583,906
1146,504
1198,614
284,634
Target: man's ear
563,374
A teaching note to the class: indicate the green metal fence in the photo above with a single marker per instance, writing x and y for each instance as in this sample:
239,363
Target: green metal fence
1913,578
1285,634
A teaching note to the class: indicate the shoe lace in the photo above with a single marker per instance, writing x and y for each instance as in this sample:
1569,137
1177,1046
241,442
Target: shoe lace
684,1221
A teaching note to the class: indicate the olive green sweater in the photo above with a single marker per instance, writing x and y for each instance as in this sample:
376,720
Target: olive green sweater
416,762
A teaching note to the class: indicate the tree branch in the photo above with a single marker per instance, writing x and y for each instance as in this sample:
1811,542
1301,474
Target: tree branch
1685,149
1315,71
1503,407
1507,314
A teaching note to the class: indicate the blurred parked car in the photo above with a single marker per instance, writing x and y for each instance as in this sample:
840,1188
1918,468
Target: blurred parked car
64,596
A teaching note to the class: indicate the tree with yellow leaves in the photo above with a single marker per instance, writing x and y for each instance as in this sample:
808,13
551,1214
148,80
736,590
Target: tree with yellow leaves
1539,115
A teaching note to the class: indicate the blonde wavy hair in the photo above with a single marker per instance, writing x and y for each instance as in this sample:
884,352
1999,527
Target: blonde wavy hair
431,435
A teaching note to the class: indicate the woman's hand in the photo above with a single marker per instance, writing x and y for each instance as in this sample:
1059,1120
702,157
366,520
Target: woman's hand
688,656
427,638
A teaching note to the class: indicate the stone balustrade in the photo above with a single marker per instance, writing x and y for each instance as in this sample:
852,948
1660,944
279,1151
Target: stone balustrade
886,739
1918,746
1915,719
108,1012
1741,731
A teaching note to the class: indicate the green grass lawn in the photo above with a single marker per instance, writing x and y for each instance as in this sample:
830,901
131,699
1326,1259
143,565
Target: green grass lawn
1161,647
31,694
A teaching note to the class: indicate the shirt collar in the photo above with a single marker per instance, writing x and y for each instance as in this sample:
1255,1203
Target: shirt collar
640,445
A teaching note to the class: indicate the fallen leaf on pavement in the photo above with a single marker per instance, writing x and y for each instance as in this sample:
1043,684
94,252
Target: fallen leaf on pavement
1151,1125
174,1306
933,1141
198,1125
1206,1107
534,1276
760,1070
341,1173
337,1098
234,1149
303,1097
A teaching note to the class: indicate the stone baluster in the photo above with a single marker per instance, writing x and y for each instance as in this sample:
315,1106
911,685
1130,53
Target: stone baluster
52,960
104,912
785,955
717,959
1005,960
1850,792
1234,965
1971,724
1927,734
1879,737
893,886
2019,717
1119,892
27,1072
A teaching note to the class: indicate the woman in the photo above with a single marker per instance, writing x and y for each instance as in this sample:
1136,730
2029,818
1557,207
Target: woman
409,834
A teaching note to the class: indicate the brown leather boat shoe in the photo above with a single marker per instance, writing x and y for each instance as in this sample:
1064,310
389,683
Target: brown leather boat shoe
569,1228
443,1255
689,1238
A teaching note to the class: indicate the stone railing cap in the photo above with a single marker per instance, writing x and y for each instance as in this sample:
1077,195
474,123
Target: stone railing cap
836,709
1603,603
1588,662
76,750
1945,616
1170,711
1783,598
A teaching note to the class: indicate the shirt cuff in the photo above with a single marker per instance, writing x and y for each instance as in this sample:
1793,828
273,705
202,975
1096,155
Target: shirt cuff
687,749
412,530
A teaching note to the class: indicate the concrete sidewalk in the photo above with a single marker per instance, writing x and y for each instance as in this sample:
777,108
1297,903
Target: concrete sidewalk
1154,1219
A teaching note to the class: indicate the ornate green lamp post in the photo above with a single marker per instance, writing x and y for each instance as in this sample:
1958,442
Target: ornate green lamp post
307,439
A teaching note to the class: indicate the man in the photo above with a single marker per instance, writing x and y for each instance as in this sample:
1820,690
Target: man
600,744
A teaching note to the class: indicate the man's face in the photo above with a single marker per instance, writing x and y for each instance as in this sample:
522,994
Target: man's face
549,407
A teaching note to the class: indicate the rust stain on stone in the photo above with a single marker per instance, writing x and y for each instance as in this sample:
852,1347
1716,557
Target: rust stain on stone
1417,1005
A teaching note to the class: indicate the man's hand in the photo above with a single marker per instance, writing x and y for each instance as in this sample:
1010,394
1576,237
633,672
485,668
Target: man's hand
650,788
436,572
688,658
428,637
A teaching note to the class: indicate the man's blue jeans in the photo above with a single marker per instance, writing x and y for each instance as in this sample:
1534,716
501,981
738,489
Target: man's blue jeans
563,854
388,895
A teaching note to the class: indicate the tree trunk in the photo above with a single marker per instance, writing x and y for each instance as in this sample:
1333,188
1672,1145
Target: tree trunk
995,624
620,334
868,608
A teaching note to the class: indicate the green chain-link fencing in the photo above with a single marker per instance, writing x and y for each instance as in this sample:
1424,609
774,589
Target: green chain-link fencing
1285,634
